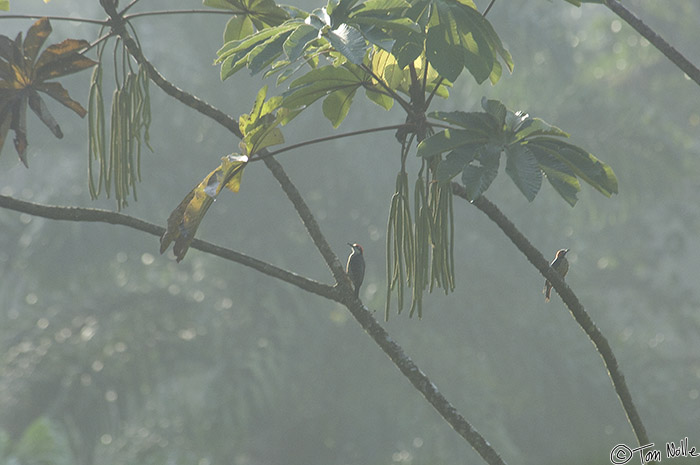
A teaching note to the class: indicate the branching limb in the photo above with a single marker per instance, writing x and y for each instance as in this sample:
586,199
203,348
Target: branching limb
656,40
535,257
105,216
343,286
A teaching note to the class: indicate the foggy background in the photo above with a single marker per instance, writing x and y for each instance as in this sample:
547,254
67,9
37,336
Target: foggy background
114,354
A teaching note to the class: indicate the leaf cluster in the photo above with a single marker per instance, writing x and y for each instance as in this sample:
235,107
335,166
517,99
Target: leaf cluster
475,142
24,73
348,45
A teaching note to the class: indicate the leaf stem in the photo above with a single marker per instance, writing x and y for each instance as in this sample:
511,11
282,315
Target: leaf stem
178,12
326,139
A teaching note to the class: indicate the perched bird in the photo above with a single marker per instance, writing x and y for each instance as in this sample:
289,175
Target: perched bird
561,265
356,267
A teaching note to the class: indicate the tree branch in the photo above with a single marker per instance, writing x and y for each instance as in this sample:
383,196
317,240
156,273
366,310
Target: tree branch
347,296
535,257
422,383
105,216
656,40
310,223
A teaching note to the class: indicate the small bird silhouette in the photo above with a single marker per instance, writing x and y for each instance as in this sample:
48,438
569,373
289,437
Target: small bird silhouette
561,265
356,267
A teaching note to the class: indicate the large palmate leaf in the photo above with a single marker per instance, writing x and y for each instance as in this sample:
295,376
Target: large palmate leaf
336,84
532,148
459,37
24,73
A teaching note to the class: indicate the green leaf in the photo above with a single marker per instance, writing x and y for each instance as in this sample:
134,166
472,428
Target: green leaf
349,42
385,66
449,139
408,47
380,99
477,177
259,127
337,105
444,52
238,27
454,162
318,83
298,40
236,54
465,22
531,127
523,169
586,166
380,8
560,176
262,13
495,109
264,54
459,29
515,120
4,5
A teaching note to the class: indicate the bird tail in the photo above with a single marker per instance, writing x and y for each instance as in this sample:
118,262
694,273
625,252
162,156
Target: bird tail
547,291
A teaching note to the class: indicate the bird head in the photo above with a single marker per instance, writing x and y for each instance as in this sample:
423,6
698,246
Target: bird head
562,252
356,248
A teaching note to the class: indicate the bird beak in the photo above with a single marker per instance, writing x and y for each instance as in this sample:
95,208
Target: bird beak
350,244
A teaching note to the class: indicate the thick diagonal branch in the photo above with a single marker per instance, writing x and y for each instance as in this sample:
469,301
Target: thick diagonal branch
404,363
535,257
343,287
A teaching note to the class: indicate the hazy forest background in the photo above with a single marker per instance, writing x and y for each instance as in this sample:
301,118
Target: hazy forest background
111,353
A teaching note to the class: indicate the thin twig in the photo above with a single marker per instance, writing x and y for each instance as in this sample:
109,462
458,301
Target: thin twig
272,153
179,12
